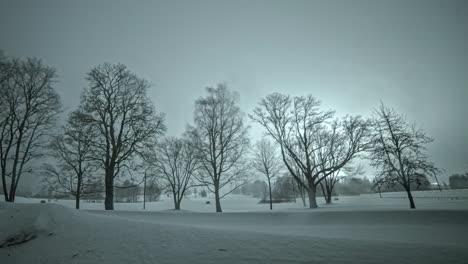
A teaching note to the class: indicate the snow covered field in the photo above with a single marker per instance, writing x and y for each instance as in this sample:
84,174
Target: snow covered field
447,199
361,229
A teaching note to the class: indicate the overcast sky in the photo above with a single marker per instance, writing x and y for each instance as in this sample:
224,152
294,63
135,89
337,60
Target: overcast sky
412,55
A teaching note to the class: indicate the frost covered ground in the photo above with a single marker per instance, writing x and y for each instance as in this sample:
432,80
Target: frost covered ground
363,229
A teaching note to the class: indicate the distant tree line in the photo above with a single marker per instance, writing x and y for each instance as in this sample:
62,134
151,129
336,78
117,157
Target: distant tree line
129,193
458,181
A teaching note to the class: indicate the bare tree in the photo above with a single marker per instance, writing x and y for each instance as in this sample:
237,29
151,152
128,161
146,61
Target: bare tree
29,106
399,152
328,184
377,185
307,138
267,162
176,163
75,174
117,105
221,141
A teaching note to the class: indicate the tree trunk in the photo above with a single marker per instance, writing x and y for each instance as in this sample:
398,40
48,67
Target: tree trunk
312,192
109,200
294,189
12,191
218,202
144,194
410,198
329,194
5,191
13,172
177,205
326,194
438,184
78,191
12,196
269,188
176,201
77,202
302,194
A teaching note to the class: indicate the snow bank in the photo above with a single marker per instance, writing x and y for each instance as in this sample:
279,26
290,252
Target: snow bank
65,235
31,221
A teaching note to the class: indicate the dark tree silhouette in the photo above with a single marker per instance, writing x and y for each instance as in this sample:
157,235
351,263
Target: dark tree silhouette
267,162
176,163
308,139
29,106
117,105
399,152
75,174
221,141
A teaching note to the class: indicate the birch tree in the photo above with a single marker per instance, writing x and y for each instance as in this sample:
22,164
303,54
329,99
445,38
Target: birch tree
267,162
75,171
221,141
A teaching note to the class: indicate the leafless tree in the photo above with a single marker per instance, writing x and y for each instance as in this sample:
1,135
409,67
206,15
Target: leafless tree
75,174
29,106
377,185
117,105
308,139
328,184
176,162
221,141
267,162
399,151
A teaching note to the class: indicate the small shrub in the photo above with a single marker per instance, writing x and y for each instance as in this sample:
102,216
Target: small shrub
267,201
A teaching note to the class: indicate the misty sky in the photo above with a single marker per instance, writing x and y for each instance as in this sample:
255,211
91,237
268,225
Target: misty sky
412,55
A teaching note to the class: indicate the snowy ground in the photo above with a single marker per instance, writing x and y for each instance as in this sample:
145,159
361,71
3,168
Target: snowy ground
363,229
447,199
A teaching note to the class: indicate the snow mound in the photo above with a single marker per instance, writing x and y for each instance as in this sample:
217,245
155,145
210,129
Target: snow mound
22,222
